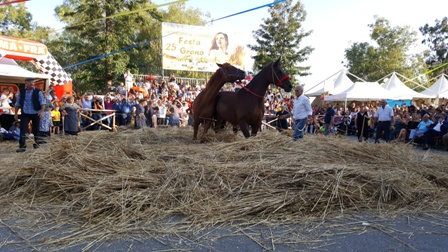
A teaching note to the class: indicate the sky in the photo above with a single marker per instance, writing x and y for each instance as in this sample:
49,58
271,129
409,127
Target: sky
335,25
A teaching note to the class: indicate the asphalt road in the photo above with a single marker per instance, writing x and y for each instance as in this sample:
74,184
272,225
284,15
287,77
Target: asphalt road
358,233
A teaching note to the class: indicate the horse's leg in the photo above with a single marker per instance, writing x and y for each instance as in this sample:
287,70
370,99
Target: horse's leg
245,129
235,129
220,125
196,128
207,125
255,127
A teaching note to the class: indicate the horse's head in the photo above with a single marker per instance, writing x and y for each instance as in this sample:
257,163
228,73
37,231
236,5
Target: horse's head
231,73
279,76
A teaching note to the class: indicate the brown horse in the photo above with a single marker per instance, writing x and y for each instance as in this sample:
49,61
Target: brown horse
204,104
245,107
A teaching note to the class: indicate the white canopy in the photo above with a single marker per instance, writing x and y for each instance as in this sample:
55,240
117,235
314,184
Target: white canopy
401,91
11,72
439,89
361,91
341,83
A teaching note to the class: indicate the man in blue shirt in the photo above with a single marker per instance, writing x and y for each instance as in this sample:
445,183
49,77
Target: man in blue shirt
31,101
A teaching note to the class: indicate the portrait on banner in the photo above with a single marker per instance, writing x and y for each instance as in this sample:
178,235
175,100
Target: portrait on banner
199,48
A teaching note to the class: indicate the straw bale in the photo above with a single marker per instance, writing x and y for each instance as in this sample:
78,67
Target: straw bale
149,175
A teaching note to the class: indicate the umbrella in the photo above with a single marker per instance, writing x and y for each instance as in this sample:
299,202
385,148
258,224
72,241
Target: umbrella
138,89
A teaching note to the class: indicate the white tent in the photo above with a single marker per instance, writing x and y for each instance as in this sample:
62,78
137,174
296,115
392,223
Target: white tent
361,91
439,89
341,83
400,91
11,72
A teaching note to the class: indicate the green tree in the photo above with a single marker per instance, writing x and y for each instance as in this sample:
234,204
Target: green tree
89,37
16,21
436,38
281,35
388,53
136,36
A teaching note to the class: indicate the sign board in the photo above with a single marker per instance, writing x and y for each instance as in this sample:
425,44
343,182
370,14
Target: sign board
199,48
22,47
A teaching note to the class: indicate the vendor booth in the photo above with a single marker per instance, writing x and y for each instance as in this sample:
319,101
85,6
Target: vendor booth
38,55
12,75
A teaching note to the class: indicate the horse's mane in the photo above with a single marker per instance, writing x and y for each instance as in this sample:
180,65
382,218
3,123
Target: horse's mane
259,77
213,85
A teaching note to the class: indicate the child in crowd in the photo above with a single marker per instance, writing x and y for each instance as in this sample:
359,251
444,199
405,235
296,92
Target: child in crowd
56,117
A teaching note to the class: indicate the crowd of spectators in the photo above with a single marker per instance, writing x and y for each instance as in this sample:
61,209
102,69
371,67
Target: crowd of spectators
425,124
156,102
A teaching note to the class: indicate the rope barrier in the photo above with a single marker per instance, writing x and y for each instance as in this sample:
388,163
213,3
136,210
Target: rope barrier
158,38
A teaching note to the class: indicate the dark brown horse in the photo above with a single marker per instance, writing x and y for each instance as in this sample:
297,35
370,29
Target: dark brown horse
245,107
204,104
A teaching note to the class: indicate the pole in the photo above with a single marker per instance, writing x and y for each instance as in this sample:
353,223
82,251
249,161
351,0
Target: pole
362,130
345,108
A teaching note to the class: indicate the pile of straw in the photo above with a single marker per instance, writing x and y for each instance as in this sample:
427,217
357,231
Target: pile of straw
126,179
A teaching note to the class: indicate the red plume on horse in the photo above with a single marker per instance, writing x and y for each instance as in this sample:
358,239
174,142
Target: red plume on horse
245,107
204,104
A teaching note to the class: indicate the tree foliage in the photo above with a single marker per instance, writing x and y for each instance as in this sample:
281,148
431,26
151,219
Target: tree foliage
16,21
281,35
436,38
388,53
130,41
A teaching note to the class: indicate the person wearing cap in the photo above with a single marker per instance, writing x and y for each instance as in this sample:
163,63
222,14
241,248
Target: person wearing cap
282,115
31,102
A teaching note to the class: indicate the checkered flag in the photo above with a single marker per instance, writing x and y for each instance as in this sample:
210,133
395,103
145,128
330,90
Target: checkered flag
48,65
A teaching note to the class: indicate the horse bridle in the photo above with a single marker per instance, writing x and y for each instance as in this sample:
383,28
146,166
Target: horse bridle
280,80
231,75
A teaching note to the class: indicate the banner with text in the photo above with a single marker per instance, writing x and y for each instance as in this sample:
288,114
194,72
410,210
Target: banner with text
199,48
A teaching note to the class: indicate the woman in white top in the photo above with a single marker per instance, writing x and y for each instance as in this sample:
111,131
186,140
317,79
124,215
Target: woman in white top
161,116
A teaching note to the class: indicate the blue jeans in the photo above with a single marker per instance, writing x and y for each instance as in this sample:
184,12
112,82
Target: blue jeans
327,129
299,128
96,117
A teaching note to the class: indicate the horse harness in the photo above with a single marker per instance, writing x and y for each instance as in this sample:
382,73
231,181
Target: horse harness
232,74
280,80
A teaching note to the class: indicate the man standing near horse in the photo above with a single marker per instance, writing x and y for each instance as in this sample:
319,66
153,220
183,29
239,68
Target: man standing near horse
301,112
32,104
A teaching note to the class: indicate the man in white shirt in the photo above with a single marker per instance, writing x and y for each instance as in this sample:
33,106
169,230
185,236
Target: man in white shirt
384,115
301,112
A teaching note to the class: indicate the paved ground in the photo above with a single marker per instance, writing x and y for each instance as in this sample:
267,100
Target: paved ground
359,233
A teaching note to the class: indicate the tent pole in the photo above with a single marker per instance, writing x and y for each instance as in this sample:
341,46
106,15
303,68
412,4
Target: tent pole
359,78
346,127
323,81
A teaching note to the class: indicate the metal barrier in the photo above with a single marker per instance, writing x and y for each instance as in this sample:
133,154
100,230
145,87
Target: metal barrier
191,81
